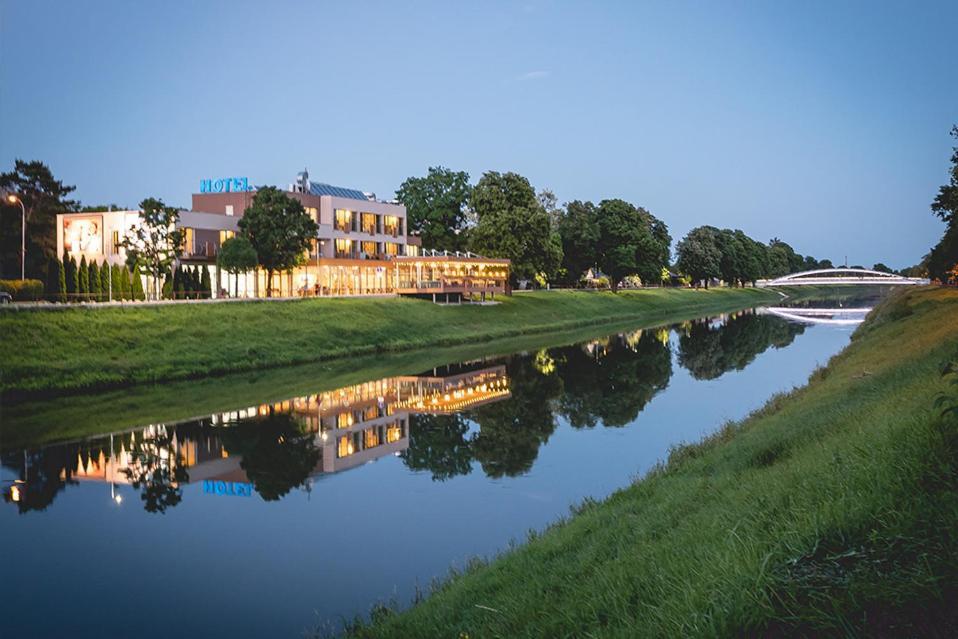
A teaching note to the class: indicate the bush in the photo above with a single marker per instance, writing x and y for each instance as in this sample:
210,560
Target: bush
23,290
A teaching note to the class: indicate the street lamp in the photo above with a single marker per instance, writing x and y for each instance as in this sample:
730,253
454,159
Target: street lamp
14,199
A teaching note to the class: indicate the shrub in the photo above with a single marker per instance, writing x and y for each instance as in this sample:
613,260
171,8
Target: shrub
23,290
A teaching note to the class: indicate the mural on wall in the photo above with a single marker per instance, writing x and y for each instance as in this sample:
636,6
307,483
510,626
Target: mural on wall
83,234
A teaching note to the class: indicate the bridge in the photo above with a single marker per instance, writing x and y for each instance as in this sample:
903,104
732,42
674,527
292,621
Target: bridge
854,276
836,316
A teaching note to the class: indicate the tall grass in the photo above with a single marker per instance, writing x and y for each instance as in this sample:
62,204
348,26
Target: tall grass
830,511
96,348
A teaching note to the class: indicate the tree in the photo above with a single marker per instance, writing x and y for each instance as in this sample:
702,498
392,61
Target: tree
155,242
699,255
125,283
136,284
943,257
94,276
53,277
631,242
237,256
105,277
279,229
882,268
206,286
115,283
83,279
732,261
826,263
43,197
436,207
62,295
753,262
578,229
511,223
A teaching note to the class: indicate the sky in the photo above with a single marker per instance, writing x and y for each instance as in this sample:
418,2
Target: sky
825,124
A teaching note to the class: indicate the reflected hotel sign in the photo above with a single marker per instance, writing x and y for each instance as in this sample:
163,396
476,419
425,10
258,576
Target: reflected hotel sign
232,488
225,185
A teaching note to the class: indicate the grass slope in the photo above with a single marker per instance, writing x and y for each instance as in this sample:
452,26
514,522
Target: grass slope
73,349
831,511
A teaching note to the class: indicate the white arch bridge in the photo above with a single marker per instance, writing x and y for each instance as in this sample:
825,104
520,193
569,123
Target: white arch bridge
838,316
854,276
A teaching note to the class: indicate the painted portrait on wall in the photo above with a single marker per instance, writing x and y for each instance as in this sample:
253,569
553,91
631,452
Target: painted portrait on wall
83,234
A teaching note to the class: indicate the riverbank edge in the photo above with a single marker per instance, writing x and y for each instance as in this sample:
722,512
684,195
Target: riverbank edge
827,511
83,350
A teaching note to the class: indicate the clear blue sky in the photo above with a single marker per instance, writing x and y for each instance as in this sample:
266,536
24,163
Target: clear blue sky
823,123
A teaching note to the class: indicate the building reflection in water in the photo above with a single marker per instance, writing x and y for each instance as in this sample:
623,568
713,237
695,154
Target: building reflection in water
270,448
445,423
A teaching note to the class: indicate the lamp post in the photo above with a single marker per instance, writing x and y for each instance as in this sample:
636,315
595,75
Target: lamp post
15,199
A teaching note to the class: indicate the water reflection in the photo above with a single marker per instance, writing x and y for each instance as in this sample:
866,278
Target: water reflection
492,415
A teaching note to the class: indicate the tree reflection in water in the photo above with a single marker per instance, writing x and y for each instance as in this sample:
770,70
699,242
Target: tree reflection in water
278,453
709,349
156,468
278,446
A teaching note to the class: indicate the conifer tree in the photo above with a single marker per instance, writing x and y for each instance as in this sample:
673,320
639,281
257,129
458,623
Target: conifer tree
206,285
61,282
105,276
94,275
74,282
136,284
125,283
83,279
115,282
53,279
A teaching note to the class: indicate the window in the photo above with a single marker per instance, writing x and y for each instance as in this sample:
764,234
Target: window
229,210
188,241
346,447
116,242
313,213
225,235
344,248
412,250
371,249
392,248
369,223
344,220
391,225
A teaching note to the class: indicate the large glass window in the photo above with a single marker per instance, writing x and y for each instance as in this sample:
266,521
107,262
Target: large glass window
344,220
369,223
189,240
313,213
391,225
344,248
371,249
392,248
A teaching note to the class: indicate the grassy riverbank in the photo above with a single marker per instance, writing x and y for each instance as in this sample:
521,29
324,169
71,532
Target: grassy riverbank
831,511
73,349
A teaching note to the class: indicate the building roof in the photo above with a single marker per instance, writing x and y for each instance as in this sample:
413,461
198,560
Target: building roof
318,188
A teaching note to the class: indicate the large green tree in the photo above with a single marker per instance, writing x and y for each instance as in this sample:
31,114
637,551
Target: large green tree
578,229
699,256
43,196
436,207
279,229
155,243
631,242
237,256
511,223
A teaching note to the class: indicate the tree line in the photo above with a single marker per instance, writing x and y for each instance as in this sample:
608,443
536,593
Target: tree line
503,216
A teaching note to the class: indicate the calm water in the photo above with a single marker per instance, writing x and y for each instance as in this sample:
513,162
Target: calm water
276,519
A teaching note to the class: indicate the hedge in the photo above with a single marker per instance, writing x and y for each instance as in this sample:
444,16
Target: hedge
23,289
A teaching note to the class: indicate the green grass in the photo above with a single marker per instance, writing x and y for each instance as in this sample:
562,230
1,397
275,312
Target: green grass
831,511
74,349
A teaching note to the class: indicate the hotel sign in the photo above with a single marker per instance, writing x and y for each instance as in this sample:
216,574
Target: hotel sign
232,488
225,185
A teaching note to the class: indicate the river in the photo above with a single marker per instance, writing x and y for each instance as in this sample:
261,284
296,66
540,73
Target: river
279,518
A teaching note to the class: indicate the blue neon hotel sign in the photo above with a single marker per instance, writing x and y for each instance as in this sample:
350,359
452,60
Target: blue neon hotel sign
225,185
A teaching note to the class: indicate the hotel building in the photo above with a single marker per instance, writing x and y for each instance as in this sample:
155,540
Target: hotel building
362,247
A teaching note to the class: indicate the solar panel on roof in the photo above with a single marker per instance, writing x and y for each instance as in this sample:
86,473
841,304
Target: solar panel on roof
317,188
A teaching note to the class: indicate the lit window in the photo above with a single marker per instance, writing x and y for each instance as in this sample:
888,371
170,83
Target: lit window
344,247
344,220
225,235
369,223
